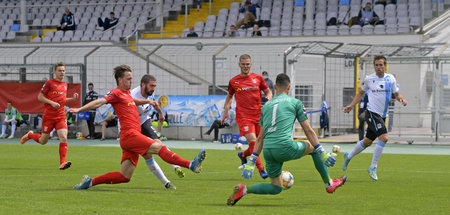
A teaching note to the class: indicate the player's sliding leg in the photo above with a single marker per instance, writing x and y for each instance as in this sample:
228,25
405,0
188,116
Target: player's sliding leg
359,147
240,190
172,158
157,171
124,176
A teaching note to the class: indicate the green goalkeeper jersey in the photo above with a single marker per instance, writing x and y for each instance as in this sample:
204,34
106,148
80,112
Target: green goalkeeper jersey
277,117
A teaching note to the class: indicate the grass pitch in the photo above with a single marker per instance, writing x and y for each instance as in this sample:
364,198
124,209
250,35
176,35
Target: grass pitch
31,183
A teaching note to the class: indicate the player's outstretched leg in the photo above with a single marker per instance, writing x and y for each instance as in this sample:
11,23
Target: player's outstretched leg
336,184
86,182
238,193
359,147
373,173
196,164
346,161
25,137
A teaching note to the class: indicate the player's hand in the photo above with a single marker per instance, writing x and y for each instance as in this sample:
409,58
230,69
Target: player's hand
348,108
153,103
74,110
403,101
225,116
249,167
75,96
247,173
55,105
327,158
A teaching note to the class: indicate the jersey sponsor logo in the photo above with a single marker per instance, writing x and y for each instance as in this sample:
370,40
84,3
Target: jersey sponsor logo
254,80
56,92
379,125
252,88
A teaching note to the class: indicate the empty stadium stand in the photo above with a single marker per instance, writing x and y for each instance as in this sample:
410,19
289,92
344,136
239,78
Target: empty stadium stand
286,18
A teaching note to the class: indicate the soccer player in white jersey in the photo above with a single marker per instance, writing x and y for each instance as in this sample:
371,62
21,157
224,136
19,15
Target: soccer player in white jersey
145,91
380,86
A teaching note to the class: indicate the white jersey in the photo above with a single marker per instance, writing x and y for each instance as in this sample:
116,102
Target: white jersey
144,109
380,90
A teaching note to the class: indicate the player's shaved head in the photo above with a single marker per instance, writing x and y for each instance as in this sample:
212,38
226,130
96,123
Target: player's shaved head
147,78
282,82
119,72
244,56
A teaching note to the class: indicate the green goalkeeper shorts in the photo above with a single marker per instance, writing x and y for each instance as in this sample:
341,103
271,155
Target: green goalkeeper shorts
275,157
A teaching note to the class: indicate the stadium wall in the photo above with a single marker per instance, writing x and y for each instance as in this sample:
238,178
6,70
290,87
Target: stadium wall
267,55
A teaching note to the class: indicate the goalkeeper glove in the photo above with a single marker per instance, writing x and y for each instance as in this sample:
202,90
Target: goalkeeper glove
249,167
327,159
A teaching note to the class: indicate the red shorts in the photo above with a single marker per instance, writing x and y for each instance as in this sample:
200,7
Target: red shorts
247,127
133,144
49,124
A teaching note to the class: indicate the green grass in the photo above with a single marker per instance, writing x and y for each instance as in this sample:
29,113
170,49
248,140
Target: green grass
31,183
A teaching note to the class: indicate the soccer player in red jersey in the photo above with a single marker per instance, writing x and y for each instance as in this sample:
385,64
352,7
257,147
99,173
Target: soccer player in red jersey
53,95
132,142
246,88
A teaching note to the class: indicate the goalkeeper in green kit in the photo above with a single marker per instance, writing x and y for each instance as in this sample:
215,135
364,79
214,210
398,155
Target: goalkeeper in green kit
277,119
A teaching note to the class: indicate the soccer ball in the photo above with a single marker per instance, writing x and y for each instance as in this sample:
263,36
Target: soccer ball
238,146
336,149
287,179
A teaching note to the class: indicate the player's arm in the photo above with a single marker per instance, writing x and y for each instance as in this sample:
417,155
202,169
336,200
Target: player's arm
400,98
73,98
89,106
355,101
161,117
327,158
45,100
268,93
228,101
144,101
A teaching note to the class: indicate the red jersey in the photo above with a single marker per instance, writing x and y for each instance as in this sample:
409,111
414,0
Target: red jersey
56,91
247,92
125,109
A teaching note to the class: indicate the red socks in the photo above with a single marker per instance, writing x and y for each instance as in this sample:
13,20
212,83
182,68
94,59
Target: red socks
35,136
249,151
172,158
62,152
110,178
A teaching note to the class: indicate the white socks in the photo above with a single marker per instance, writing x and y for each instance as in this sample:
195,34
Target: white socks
377,153
156,170
3,130
359,147
13,128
